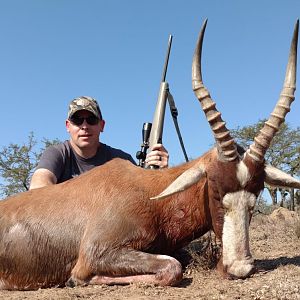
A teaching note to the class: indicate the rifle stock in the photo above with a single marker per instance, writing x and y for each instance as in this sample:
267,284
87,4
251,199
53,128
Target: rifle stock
159,116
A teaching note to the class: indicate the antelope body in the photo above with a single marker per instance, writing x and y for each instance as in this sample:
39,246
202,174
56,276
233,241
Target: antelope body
119,223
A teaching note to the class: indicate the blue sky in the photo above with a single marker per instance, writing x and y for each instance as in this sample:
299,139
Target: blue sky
114,50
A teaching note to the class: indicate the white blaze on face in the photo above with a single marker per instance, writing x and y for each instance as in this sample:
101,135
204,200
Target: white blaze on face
237,258
242,173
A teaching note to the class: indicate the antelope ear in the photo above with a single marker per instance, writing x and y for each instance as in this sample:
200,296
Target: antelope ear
185,180
276,177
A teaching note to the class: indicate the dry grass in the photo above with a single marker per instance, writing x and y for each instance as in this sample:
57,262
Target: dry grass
297,229
203,252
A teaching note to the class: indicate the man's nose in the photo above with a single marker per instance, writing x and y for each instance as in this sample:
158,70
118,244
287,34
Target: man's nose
84,124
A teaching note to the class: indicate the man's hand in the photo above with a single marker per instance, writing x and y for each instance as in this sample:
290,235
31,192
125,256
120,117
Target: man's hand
158,156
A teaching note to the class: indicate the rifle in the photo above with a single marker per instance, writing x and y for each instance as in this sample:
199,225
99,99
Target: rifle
152,132
159,114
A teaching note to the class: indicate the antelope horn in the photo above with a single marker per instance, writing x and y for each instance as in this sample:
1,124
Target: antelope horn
184,181
263,140
226,146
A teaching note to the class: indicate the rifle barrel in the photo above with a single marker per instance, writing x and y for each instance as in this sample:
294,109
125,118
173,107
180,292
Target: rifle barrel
167,59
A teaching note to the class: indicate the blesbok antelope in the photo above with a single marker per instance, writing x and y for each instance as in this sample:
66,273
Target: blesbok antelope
103,228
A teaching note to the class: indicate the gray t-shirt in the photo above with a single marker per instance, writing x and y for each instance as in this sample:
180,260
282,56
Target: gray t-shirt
65,163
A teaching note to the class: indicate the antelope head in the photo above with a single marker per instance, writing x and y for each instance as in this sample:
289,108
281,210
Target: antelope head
235,178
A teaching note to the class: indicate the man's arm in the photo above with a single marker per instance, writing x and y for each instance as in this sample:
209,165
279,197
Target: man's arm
49,167
42,177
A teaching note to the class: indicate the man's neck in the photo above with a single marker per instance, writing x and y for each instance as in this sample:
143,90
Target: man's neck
86,152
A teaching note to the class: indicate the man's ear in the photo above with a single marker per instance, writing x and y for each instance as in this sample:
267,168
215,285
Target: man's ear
102,125
68,125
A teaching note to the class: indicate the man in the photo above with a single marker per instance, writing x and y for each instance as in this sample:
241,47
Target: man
84,150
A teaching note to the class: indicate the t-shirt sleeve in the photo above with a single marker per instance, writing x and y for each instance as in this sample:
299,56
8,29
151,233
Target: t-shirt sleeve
52,159
126,156
131,159
121,154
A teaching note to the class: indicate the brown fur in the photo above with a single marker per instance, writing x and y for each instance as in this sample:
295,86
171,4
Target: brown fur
79,228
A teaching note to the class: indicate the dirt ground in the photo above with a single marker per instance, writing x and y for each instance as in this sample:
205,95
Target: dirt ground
275,244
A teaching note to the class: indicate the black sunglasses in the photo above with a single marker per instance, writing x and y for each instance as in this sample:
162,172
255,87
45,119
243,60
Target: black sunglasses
91,120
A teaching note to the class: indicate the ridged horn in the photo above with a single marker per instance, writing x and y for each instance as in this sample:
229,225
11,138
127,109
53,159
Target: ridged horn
226,146
264,138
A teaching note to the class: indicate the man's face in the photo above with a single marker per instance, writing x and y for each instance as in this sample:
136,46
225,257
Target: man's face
85,135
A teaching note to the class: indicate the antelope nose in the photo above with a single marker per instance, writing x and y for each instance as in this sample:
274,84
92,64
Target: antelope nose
241,270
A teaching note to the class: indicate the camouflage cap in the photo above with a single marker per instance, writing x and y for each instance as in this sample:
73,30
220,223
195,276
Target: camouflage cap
84,103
